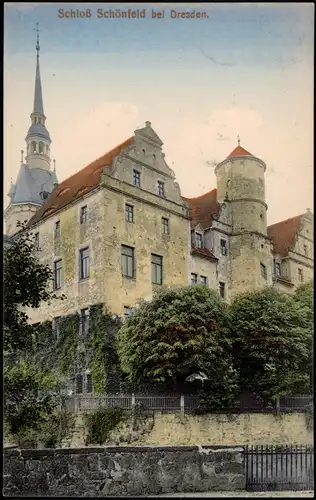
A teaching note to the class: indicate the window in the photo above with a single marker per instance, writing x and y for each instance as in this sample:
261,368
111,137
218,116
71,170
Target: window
36,241
129,213
89,386
79,384
56,327
165,225
263,270
198,240
57,274
277,269
300,274
128,261
84,322
203,280
57,231
156,269
161,188
136,177
84,263
223,244
305,251
222,290
193,279
84,215
128,312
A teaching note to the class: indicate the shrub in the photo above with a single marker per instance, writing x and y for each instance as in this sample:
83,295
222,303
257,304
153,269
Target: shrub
100,423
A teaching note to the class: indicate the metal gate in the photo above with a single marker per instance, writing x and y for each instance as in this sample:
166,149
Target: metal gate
279,468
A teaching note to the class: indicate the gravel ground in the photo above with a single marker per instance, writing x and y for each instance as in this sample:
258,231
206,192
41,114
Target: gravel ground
270,494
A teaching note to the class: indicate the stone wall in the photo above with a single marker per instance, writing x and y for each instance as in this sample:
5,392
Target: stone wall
122,471
225,430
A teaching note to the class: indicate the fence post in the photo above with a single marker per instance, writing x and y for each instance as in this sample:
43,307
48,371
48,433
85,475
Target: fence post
277,405
182,404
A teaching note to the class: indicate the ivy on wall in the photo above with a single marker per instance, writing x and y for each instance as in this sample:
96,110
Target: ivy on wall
102,346
69,354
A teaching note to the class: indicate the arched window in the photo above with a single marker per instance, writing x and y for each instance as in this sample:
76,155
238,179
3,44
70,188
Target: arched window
41,148
33,147
47,149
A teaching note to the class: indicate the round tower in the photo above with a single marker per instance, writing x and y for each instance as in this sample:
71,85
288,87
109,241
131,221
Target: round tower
241,185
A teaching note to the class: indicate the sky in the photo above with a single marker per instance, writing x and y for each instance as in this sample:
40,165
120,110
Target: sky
245,69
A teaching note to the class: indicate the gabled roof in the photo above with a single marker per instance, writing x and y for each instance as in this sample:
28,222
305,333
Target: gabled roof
238,151
203,208
283,234
78,184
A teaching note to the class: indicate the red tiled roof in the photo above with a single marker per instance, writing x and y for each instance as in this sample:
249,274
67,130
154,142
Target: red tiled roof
238,151
78,184
283,234
202,208
203,252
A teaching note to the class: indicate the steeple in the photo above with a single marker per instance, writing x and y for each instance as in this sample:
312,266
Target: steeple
35,180
38,98
38,138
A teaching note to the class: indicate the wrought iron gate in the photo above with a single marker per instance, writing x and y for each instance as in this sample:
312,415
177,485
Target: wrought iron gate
279,468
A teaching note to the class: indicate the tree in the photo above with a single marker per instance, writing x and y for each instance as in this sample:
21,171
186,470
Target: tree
26,284
175,335
30,396
270,341
30,392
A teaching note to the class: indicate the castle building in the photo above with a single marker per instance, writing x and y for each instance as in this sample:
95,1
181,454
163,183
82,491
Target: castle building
119,229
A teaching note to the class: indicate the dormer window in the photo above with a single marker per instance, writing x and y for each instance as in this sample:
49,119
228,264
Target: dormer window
198,240
161,188
44,195
143,151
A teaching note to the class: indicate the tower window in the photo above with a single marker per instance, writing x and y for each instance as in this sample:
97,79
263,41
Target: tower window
33,147
161,188
136,177
203,280
300,275
222,290
305,251
41,147
277,269
143,151
223,244
263,270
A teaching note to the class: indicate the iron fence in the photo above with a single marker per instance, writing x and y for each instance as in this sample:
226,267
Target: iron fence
279,468
184,402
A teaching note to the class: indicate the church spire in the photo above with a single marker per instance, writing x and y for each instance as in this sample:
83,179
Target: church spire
38,98
38,139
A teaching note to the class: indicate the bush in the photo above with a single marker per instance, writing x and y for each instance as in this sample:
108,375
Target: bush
100,423
50,434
